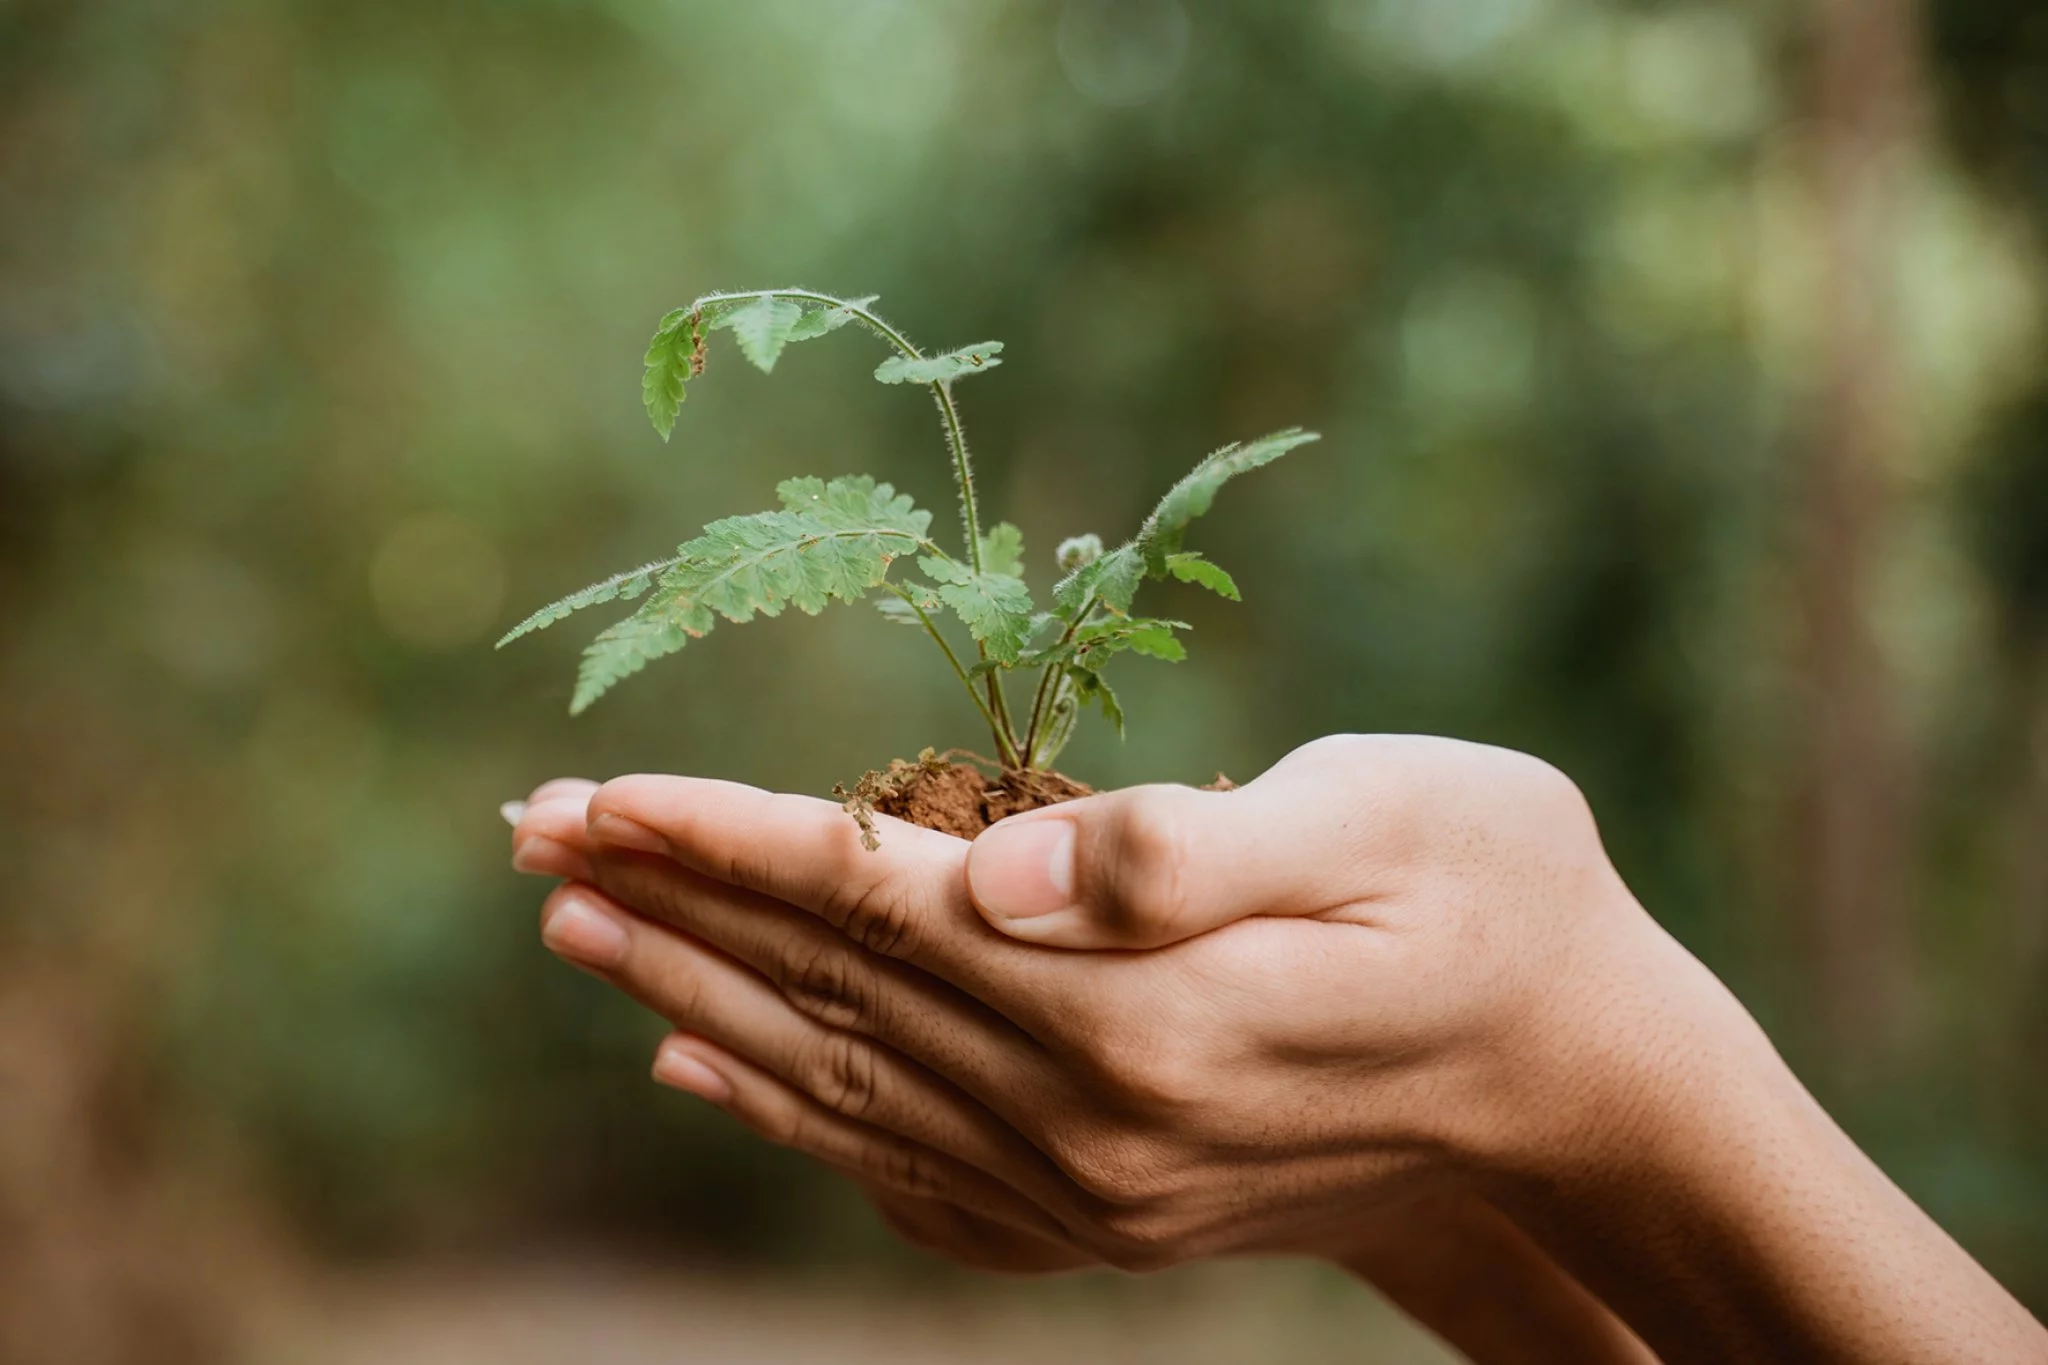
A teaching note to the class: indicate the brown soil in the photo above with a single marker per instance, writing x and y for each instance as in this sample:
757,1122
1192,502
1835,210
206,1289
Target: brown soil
937,792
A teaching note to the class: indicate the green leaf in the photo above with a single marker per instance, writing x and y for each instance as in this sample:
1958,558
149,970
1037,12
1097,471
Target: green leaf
1002,550
995,607
620,586
1190,567
1155,640
1089,686
762,328
902,612
662,626
820,318
830,542
1114,578
1160,537
936,369
668,364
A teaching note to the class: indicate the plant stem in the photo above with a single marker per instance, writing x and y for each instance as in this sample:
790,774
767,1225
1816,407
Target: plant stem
1006,747
997,708
942,395
1042,696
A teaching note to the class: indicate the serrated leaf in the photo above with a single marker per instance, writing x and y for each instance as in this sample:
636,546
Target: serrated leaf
996,609
935,369
1190,567
902,612
661,627
668,363
762,328
1160,537
1156,641
941,569
620,586
1114,579
820,318
830,542
1089,686
1002,550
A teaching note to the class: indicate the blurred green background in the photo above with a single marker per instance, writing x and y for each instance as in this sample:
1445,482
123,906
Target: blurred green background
1686,409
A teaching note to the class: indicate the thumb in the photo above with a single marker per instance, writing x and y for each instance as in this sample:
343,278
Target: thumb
1141,867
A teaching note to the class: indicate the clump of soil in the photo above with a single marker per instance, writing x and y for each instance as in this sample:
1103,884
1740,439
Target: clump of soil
937,792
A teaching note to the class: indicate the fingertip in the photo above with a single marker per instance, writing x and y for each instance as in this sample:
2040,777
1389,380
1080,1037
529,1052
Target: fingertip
681,1063
1022,870
557,787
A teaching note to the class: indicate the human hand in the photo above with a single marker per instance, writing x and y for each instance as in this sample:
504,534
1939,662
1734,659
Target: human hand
1483,1008
1144,1077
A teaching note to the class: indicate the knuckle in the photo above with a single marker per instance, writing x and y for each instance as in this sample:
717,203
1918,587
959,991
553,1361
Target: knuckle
822,981
1157,1079
1151,866
1114,1169
842,1075
878,914
911,1170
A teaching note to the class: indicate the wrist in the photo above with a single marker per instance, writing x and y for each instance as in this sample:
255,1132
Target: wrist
1461,1268
1696,1187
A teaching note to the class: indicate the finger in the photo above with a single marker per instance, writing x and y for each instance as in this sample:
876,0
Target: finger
907,900
1148,866
834,981
772,1108
709,994
560,787
547,837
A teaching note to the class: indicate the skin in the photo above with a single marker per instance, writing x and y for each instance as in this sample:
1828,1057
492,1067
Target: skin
1389,1005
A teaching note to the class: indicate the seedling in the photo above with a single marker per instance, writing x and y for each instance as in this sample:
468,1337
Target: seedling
840,540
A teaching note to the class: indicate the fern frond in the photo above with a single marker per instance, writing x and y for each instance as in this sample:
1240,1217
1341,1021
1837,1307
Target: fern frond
1196,492
934,369
1002,550
668,361
620,586
995,607
830,542
1189,567
762,327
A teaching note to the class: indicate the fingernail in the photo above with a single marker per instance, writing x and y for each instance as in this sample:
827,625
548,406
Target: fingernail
549,858
678,1069
1023,870
618,830
584,934
514,812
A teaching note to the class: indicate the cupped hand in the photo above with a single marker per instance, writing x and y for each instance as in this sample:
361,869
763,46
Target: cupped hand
1354,994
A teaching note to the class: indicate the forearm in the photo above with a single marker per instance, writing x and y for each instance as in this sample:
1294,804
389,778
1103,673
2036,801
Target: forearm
1727,1218
1465,1271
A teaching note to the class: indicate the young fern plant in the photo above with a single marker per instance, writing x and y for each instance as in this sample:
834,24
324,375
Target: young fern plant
848,538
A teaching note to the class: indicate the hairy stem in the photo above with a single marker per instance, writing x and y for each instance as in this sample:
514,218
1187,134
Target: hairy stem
942,395
997,707
1046,691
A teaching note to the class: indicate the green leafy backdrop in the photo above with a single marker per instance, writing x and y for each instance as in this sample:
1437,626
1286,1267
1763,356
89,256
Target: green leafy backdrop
318,331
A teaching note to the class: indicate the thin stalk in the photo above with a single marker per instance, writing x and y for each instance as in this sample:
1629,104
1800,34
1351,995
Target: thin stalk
1041,697
1006,747
998,705
942,395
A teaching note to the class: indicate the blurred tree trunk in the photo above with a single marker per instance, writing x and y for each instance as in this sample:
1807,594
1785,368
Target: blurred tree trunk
1855,832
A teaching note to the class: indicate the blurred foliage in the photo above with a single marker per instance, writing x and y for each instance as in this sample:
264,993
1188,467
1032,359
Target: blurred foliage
319,337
